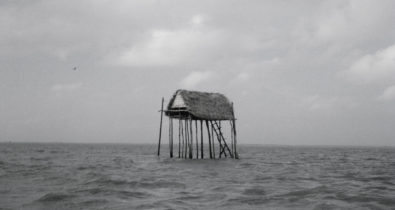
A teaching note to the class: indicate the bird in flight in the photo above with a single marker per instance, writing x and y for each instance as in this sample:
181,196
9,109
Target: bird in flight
75,68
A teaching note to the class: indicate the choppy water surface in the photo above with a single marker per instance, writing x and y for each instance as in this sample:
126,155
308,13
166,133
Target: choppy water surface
105,176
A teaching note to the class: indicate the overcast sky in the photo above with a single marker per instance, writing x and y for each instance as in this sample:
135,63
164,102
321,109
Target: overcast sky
298,72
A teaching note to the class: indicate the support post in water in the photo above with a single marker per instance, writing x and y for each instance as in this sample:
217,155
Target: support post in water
191,139
179,138
236,155
212,138
182,138
232,138
197,140
160,126
209,140
171,136
186,138
201,139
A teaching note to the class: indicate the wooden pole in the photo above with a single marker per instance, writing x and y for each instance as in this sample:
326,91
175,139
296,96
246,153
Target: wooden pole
171,136
186,138
197,140
201,139
212,136
235,139
234,134
209,140
160,126
191,139
179,139
182,138
231,138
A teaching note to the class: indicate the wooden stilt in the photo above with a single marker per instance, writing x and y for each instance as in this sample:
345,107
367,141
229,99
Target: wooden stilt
213,141
201,140
179,138
171,137
234,134
197,140
191,139
209,140
182,138
186,139
235,139
160,126
232,138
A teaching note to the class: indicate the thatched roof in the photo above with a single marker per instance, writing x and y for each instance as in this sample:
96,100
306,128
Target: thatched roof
200,105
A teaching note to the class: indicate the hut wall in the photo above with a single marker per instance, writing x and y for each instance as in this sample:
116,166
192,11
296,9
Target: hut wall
178,102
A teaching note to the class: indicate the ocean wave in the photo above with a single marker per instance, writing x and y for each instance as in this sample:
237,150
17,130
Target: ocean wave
305,192
361,198
254,191
326,205
46,158
120,193
106,181
55,197
93,202
161,184
39,150
243,200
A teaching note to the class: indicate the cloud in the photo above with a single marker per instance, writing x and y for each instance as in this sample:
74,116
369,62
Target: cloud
66,87
373,68
322,103
388,94
195,78
171,47
243,77
316,102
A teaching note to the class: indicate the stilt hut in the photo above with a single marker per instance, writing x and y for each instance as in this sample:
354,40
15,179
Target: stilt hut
200,117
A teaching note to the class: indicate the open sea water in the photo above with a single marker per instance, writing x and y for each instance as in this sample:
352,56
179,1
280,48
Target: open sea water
127,176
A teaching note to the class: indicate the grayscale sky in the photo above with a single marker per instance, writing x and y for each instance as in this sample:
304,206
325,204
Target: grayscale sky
299,72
